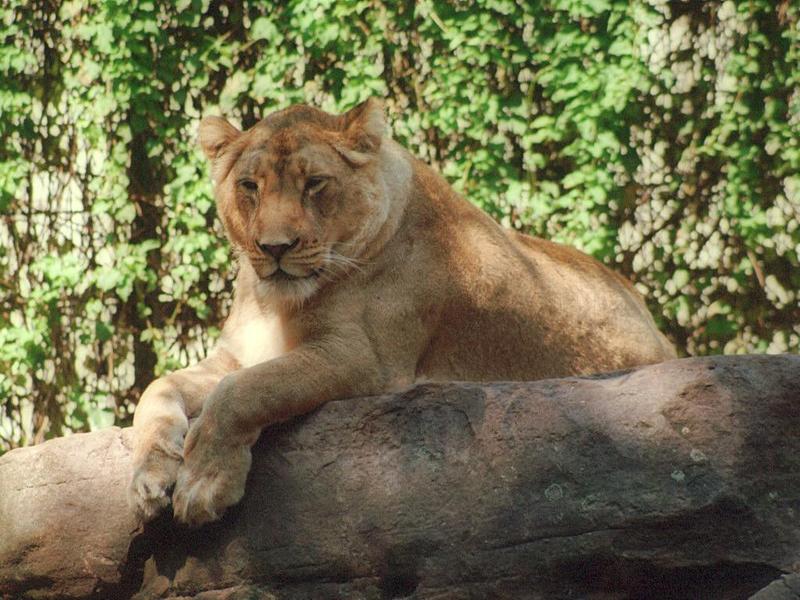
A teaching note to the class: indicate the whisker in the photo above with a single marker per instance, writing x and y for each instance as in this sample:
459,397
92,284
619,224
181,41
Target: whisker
302,255
341,257
344,246
343,262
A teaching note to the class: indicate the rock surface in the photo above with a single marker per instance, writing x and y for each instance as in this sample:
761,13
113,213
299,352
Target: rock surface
678,480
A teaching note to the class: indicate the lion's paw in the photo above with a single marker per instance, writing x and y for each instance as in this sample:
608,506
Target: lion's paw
154,474
209,484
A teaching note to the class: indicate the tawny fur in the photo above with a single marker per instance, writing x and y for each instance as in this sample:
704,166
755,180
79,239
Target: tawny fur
389,278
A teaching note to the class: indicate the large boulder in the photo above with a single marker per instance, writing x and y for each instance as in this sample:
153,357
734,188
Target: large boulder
677,480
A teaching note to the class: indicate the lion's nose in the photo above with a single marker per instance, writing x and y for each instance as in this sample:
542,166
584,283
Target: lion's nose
277,250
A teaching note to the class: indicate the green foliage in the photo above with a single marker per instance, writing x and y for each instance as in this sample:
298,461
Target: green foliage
662,137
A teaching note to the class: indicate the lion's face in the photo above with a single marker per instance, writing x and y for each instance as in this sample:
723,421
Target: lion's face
298,193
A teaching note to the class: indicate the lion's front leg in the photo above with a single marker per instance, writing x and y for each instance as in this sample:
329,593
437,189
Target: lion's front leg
160,424
216,462
217,447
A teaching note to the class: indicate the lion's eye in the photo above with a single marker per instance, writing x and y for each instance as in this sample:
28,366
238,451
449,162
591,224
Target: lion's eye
248,185
314,184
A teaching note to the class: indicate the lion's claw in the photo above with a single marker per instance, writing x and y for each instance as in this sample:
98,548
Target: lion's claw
148,493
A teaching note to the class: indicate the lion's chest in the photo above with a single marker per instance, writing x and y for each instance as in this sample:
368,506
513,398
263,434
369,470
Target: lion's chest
257,338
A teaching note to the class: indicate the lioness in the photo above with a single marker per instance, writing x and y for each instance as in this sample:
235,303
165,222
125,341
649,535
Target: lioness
360,272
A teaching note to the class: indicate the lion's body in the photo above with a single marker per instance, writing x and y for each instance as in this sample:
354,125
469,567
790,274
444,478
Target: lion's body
453,296
427,288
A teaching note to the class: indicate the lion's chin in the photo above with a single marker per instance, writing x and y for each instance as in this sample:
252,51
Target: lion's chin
285,288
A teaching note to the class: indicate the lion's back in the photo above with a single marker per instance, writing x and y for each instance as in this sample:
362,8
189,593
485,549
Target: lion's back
520,307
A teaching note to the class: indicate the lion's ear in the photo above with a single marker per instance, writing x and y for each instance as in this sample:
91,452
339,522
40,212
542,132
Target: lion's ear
215,134
363,127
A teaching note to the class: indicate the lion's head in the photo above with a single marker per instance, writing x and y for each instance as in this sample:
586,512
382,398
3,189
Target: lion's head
300,193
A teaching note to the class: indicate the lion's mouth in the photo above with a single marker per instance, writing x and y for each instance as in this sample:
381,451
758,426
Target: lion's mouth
277,274
280,275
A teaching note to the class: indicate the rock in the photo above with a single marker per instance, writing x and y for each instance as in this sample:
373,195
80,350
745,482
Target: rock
677,480
65,526
785,588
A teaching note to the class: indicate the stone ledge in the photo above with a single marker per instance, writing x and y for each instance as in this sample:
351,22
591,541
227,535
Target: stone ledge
674,480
